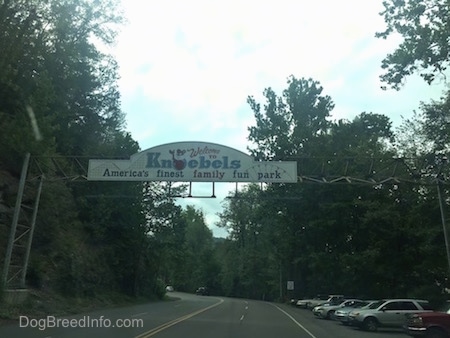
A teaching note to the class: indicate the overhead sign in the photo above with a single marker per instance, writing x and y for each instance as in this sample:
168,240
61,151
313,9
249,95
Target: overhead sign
192,162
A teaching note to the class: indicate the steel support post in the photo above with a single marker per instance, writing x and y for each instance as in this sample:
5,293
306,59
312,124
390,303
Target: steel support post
15,220
30,234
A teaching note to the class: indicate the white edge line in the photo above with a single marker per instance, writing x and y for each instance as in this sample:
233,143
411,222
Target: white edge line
139,314
296,322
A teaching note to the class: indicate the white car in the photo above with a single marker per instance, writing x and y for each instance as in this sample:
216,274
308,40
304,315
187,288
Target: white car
320,299
169,288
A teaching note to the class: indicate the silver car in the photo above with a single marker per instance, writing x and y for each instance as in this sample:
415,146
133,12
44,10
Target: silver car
342,313
327,310
387,313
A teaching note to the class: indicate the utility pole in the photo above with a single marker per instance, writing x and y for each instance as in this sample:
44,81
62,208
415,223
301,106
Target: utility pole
444,223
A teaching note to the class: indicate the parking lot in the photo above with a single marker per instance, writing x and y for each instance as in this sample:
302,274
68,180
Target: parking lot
323,328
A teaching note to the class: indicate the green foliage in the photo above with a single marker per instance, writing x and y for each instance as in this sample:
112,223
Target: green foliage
291,123
436,124
367,135
59,97
358,240
200,267
425,29
51,72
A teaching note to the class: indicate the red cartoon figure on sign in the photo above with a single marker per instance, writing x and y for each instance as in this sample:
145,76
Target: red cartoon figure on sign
179,164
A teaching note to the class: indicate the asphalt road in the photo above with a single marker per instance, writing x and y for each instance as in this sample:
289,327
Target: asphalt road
191,316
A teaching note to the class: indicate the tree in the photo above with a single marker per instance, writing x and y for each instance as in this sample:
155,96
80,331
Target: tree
313,231
250,263
436,124
201,268
345,238
366,135
410,139
425,28
289,124
54,75
428,136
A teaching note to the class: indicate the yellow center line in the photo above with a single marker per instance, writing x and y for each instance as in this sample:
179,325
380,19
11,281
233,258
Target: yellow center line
175,321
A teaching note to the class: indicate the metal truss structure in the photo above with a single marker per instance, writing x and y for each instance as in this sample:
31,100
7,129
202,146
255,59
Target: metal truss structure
357,170
372,171
326,170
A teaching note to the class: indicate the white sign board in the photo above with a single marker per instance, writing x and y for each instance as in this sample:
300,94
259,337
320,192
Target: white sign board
192,162
290,285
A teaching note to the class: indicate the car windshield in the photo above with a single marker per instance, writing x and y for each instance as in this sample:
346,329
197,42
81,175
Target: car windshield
186,168
363,304
376,305
321,297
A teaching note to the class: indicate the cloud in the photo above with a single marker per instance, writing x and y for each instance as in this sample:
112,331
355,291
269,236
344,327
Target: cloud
209,54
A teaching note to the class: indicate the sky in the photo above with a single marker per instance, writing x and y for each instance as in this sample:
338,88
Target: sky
187,68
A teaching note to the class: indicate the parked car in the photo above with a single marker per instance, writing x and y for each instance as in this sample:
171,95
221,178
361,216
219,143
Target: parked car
169,288
202,290
318,300
304,303
327,310
342,313
332,299
387,313
429,324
